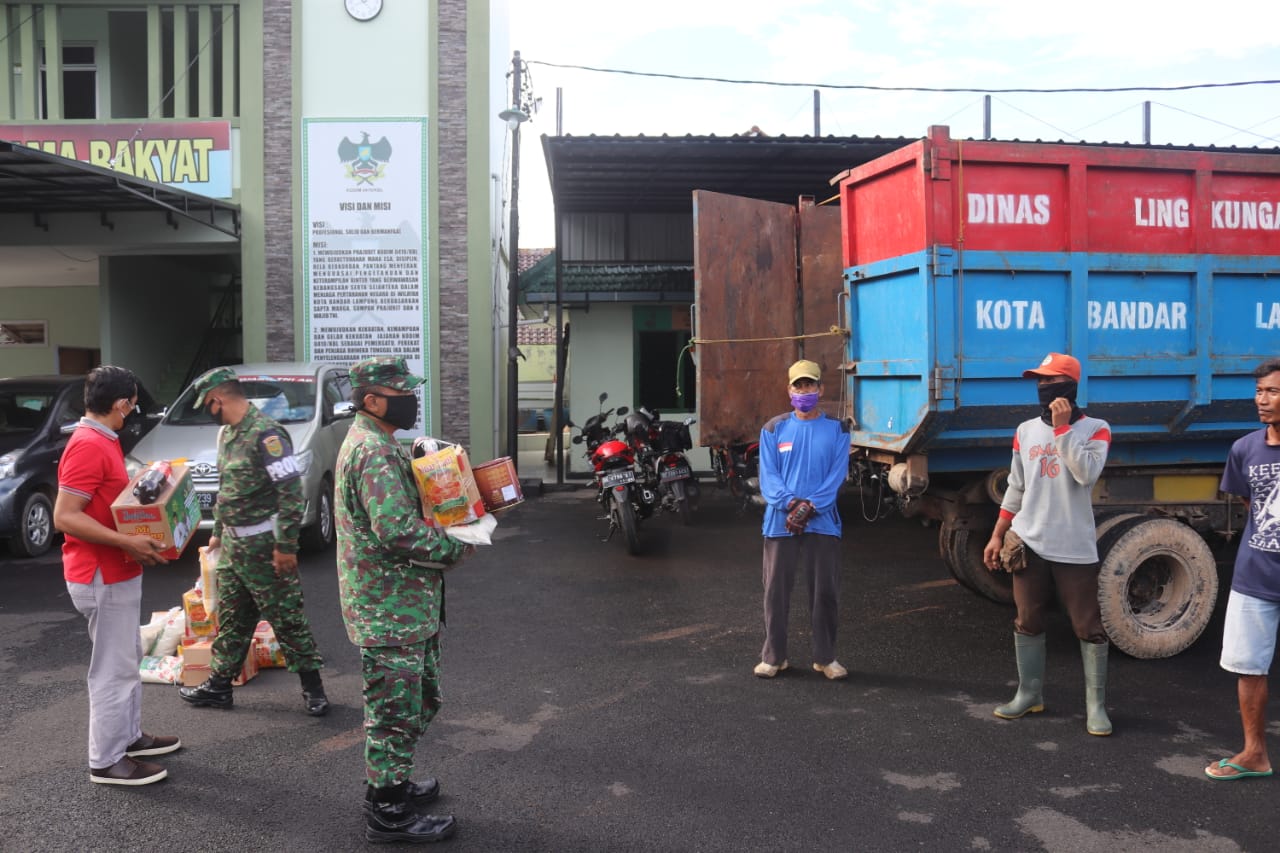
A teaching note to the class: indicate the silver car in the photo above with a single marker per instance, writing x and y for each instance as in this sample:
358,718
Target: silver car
311,400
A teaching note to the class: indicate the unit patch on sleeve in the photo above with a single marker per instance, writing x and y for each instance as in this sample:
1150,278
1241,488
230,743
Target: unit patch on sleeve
277,457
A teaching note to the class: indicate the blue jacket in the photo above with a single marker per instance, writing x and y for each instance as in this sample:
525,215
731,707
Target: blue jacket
806,459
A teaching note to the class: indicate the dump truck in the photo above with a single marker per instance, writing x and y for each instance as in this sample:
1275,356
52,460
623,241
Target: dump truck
964,262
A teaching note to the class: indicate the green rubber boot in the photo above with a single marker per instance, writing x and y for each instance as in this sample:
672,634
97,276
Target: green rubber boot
1094,656
1030,696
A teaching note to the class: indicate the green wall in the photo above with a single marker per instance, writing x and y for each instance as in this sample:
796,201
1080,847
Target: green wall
72,315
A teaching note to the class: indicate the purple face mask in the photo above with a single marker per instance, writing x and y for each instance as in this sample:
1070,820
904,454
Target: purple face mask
804,402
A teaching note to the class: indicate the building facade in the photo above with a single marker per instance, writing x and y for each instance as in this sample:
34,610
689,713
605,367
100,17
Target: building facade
287,231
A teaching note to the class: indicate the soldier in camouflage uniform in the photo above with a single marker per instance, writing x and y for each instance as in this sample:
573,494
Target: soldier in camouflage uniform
256,521
391,583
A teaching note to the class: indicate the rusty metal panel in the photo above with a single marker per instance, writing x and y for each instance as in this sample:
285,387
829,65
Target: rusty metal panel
821,287
744,288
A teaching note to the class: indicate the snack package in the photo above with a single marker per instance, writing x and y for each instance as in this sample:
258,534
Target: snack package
200,623
268,650
209,577
447,487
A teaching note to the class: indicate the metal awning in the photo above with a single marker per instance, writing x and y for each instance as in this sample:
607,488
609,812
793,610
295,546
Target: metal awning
38,183
659,173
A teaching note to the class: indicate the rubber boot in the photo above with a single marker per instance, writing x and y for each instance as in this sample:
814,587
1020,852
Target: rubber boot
1030,696
389,817
214,691
1094,656
317,703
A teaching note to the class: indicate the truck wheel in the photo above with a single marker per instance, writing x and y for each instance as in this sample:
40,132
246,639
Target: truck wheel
35,527
946,533
1157,586
964,558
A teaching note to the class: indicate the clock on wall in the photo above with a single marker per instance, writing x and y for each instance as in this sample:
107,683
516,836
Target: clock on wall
363,10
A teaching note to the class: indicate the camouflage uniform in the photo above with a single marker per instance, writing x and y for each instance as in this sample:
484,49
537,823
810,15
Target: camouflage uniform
390,581
258,479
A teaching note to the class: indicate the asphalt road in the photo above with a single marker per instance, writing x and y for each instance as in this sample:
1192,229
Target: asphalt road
600,702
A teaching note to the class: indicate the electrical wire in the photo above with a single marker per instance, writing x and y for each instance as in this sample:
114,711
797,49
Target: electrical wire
871,88
1215,121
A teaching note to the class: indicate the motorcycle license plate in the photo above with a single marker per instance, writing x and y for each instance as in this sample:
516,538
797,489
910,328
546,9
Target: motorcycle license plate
680,472
618,478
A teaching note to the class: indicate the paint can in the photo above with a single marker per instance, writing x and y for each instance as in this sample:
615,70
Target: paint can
499,486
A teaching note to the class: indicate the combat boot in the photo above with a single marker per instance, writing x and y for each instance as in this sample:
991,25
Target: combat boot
1095,688
1030,696
215,692
390,817
313,693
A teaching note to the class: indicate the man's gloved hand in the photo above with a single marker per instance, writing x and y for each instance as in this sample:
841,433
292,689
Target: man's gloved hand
799,511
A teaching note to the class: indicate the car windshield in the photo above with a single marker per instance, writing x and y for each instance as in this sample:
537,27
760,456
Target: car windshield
24,410
285,399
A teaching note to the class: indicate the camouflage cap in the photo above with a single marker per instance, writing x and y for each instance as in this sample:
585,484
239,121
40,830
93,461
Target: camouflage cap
209,380
389,371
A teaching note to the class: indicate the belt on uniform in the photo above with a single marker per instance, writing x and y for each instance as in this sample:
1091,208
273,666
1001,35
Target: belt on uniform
243,530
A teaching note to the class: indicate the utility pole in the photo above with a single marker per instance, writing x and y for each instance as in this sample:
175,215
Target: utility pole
513,268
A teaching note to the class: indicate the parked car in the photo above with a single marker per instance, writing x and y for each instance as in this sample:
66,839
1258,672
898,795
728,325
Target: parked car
37,415
311,400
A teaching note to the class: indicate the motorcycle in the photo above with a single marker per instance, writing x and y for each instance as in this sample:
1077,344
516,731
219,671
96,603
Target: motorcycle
737,466
624,499
659,446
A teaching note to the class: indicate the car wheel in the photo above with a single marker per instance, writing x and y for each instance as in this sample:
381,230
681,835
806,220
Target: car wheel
35,527
319,535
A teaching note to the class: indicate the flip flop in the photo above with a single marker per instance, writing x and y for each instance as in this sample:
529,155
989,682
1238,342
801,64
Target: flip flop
1241,772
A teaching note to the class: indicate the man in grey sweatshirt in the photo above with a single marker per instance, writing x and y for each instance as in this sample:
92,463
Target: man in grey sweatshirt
1057,458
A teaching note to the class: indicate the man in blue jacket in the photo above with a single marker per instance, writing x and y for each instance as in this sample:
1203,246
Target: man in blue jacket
804,458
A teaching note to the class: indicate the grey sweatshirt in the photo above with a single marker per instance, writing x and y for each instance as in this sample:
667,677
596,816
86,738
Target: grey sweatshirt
1051,484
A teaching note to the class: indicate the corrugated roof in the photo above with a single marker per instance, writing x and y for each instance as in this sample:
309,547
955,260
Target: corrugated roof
608,282
659,173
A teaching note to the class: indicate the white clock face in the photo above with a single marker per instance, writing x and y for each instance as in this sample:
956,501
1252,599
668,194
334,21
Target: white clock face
363,10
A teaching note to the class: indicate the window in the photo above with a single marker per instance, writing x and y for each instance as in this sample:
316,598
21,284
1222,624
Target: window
79,83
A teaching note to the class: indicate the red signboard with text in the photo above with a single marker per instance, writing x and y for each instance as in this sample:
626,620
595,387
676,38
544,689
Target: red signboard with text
1034,197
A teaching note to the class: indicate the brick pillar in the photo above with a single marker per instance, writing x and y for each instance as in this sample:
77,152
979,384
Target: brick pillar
277,74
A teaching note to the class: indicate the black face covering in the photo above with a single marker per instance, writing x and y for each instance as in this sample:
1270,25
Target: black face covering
215,417
1049,393
402,412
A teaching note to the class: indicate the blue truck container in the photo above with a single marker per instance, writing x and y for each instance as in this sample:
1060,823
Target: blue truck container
966,262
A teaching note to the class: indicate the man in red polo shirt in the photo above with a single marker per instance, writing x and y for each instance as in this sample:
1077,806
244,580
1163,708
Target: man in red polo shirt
103,570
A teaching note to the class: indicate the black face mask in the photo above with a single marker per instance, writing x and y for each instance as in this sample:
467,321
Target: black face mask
1048,393
216,417
402,412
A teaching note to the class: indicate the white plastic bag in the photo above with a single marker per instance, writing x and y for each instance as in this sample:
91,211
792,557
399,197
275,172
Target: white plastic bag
175,625
479,532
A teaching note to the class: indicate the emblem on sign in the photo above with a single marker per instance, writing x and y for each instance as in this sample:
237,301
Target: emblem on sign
366,161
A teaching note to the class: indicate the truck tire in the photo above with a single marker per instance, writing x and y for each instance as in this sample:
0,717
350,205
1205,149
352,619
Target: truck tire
1157,586
945,534
964,558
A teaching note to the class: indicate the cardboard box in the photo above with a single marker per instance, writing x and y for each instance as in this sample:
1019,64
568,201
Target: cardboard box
200,623
448,487
193,676
197,657
171,520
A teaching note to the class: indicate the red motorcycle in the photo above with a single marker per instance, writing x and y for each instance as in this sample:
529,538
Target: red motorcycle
623,498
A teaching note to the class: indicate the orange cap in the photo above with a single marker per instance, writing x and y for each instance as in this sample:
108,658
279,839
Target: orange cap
1055,364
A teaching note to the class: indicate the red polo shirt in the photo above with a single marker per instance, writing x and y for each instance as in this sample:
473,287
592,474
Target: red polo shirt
92,467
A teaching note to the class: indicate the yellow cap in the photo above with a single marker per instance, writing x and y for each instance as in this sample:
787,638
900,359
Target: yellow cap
804,369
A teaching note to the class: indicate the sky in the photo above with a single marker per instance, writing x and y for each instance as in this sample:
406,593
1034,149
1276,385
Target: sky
929,43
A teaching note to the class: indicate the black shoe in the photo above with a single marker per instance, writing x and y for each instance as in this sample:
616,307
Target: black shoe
389,817
126,771
425,791
215,692
317,702
152,745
